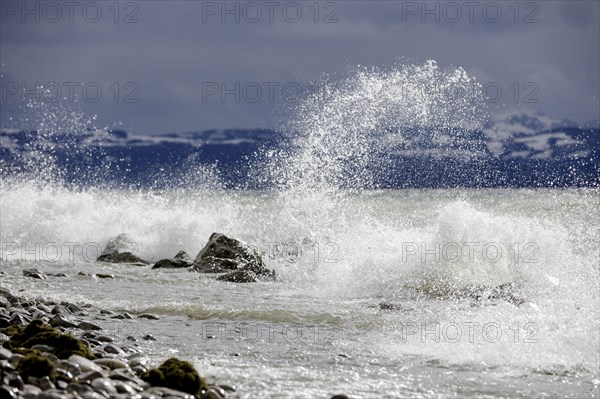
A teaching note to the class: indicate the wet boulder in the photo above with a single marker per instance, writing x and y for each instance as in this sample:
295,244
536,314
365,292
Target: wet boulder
239,276
176,374
479,293
225,254
181,260
118,250
34,273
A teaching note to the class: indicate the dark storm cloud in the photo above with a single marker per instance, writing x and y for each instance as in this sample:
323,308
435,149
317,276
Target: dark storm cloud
177,51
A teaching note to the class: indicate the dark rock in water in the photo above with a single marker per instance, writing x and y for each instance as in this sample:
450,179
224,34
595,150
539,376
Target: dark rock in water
122,257
224,254
214,393
118,250
34,273
482,292
239,276
148,316
176,374
226,388
58,275
183,256
394,306
181,260
121,243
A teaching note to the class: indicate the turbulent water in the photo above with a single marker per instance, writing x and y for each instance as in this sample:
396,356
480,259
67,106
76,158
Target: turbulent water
485,293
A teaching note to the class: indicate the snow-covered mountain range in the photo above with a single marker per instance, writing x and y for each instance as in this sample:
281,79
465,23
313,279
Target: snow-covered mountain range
528,149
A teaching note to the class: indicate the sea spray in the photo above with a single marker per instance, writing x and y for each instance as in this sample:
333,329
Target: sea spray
341,141
341,130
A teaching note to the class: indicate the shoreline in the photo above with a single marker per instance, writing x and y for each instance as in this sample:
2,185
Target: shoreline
113,368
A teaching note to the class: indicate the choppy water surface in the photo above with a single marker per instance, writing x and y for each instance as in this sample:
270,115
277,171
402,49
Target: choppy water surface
319,329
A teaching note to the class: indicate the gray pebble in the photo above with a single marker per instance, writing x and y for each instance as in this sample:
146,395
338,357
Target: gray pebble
61,321
84,364
107,312
79,388
123,387
125,375
91,376
59,309
74,308
84,325
114,349
227,388
5,354
111,363
31,390
62,374
217,389
44,308
104,385
4,302
19,319
148,316
70,367
38,314
123,316
212,393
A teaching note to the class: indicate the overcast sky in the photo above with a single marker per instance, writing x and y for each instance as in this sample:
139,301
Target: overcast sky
162,66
